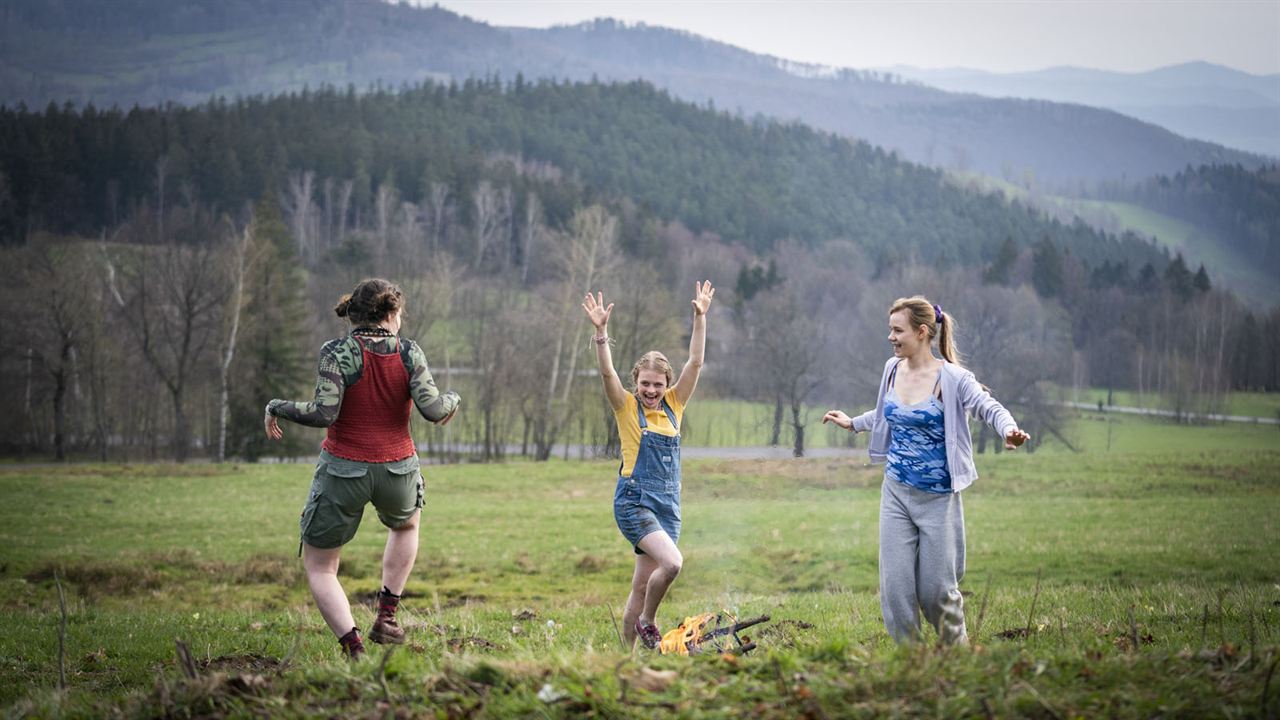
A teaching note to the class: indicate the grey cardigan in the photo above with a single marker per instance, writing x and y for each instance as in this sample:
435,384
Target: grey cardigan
961,395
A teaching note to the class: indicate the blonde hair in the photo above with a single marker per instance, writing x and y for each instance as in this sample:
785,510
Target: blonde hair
655,361
922,312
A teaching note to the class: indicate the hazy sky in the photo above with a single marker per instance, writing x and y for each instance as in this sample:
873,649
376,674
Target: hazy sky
1125,35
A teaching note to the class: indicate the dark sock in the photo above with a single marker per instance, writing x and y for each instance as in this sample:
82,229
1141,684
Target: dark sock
387,592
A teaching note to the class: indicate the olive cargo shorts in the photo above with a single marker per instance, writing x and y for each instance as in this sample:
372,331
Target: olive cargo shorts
341,488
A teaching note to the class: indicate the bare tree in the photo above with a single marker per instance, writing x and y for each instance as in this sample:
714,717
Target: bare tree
171,299
385,204
56,299
492,219
438,199
584,256
531,232
300,212
788,352
239,263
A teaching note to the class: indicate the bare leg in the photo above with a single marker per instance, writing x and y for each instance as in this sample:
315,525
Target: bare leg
400,554
661,550
645,566
321,566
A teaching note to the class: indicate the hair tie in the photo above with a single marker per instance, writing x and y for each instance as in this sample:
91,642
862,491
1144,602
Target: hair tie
937,313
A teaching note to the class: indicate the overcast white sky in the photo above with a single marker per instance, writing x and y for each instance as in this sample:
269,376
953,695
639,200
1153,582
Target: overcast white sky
1009,36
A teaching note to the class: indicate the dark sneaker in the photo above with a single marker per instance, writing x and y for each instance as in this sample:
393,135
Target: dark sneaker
648,634
352,645
385,630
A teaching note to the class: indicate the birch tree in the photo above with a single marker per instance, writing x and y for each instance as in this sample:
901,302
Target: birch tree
585,256
492,218
238,264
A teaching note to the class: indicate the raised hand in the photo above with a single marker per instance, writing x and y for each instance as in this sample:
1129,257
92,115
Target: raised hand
702,294
839,418
1015,438
596,311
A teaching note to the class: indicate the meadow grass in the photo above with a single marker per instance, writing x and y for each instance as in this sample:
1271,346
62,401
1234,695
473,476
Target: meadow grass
1135,582
1245,404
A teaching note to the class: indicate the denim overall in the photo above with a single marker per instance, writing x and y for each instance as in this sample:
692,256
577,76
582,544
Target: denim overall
649,500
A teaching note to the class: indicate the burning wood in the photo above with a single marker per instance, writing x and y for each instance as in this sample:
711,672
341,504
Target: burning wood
710,632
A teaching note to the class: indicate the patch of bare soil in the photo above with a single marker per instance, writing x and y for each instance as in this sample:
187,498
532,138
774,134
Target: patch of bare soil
472,642
232,664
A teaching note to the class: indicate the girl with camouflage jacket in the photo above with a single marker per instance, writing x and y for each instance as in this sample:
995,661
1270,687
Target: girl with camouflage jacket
367,382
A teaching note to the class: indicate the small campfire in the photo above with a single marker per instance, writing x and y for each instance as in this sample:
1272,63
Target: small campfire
710,632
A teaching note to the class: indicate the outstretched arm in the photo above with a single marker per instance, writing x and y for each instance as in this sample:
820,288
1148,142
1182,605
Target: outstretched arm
598,314
322,410
978,401
688,380
861,423
432,404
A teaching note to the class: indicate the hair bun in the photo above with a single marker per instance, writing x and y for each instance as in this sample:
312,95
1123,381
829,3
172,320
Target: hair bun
386,303
343,306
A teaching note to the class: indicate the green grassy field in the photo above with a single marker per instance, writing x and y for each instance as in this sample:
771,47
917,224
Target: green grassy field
1168,539
1247,404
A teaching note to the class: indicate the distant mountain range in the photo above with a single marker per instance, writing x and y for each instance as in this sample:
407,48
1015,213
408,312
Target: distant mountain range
155,51
1198,99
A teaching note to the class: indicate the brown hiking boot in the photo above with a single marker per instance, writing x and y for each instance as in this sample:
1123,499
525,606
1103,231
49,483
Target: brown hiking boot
352,645
385,630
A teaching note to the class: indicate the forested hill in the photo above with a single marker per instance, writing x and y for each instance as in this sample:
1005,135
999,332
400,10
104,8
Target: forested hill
1240,207
153,51
755,183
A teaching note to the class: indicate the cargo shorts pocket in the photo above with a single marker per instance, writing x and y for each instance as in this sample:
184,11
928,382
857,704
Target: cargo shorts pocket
400,494
323,524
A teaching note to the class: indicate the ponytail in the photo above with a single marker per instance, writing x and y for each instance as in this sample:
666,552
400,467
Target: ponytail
947,338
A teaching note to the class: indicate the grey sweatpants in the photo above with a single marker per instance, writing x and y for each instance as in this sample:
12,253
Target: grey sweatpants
921,562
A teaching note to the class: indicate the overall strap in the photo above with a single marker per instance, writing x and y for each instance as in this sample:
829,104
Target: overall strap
670,415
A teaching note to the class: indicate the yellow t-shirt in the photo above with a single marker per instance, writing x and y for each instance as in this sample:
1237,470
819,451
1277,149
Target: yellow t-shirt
629,426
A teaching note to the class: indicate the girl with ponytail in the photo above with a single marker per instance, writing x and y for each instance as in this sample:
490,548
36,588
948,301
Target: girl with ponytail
920,432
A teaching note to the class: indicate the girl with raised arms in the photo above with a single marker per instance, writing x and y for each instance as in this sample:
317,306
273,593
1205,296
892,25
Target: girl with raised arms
646,501
920,431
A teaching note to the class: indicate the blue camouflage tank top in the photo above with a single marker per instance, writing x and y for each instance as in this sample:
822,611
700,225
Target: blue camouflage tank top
917,452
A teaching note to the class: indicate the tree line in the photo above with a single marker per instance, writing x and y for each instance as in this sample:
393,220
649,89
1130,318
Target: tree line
754,182
161,297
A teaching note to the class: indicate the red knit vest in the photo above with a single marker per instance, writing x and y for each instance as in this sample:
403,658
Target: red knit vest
373,422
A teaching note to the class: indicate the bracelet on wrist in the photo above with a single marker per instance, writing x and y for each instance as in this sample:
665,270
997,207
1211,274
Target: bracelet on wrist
601,339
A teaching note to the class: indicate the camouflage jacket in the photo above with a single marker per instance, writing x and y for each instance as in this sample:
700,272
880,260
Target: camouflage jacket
341,364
